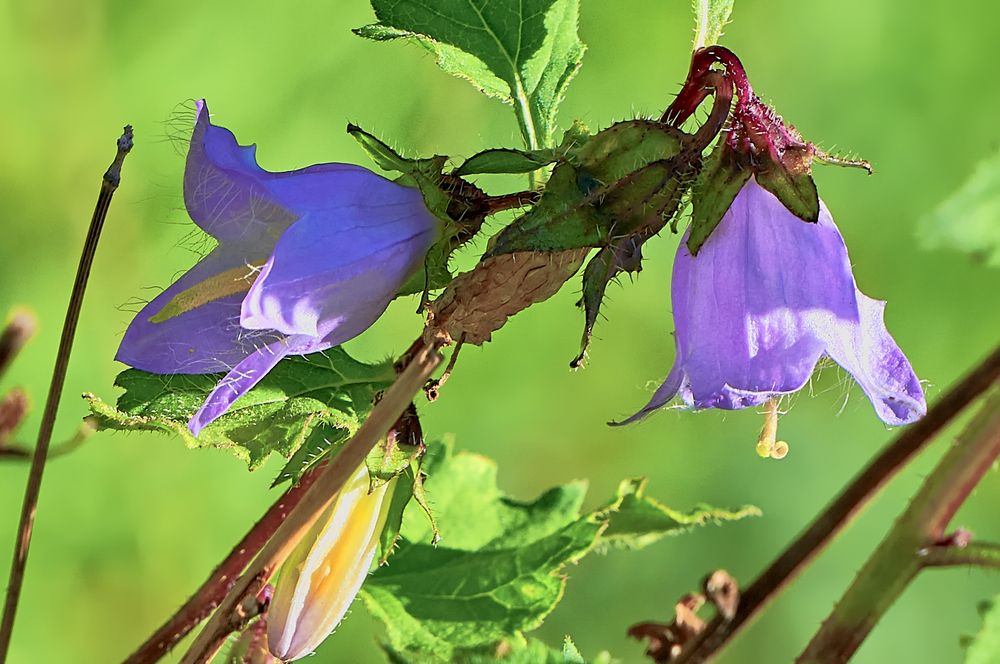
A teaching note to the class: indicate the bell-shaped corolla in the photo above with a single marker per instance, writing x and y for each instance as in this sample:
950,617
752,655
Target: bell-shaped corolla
764,299
305,260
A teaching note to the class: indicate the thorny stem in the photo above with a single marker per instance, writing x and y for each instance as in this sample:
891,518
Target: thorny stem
842,510
109,184
903,552
17,332
214,589
979,554
338,470
518,199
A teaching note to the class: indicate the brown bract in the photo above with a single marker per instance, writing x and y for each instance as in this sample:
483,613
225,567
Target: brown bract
479,302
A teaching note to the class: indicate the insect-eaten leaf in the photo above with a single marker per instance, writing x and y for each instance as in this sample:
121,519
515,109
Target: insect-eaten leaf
309,403
635,520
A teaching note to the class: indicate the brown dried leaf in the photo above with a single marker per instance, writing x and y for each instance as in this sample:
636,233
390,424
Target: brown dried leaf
479,302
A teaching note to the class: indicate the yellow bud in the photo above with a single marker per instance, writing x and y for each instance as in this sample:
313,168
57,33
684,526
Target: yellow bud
321,578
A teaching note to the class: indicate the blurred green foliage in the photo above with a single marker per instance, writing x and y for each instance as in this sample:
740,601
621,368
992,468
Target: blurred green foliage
130,524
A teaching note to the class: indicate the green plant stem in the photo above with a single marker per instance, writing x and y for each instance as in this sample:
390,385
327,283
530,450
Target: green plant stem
902,553
22,453
112,177
978,554
841,511
424,360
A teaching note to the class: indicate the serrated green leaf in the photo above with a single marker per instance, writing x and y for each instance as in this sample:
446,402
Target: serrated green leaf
440,601
506,160
474,514
498,571
278,415
523,52
969,219
636,520
711,17
718,184
626,179
984,648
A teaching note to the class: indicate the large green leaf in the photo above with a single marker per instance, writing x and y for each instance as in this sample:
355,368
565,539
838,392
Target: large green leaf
523,52
500,568
969,219
327,393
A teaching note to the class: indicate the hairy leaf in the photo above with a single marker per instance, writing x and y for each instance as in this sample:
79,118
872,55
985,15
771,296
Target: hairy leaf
711,17
624,256
524,52
969,219
329,390
791,181
534,651
506,160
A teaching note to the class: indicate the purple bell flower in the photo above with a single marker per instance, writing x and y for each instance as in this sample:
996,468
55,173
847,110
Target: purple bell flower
306,260
766,297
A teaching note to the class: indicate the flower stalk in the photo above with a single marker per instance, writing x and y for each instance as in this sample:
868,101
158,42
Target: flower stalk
109,184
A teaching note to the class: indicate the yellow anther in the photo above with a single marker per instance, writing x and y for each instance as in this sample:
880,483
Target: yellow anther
780,450
767,444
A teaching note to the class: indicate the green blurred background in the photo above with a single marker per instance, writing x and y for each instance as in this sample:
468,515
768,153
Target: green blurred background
130,524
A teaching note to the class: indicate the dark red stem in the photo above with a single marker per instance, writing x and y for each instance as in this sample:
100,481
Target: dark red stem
215,588
842,510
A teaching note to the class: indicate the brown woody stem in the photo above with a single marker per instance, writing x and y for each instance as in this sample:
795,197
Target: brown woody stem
903,553
843,509
109,184
213,591
338,470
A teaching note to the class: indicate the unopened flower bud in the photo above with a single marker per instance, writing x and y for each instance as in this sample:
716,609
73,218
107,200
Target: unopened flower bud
321,578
